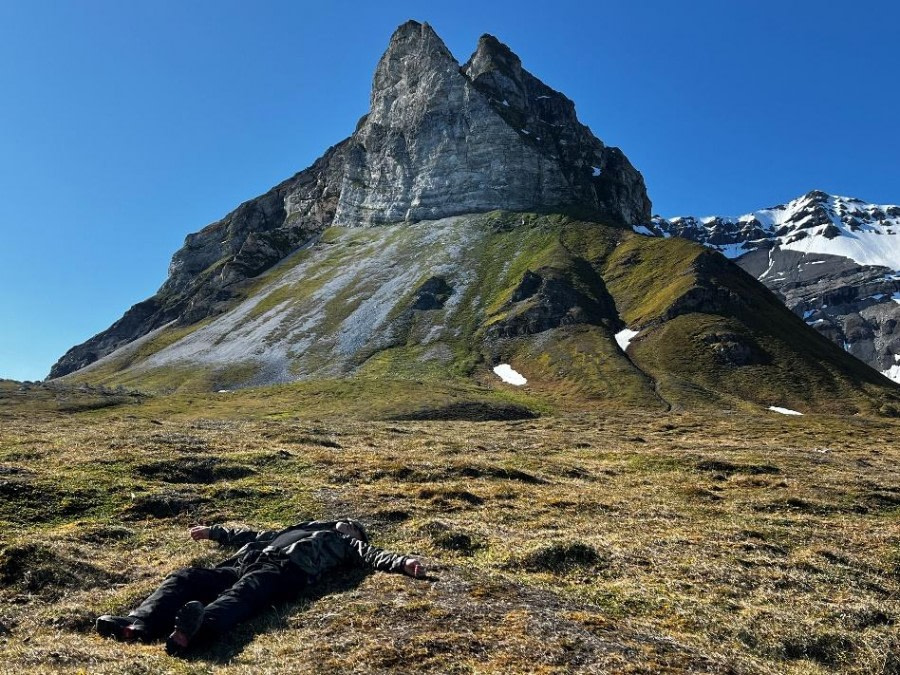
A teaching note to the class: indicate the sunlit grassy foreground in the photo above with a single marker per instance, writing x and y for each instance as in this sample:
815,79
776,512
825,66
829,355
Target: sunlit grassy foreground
580,542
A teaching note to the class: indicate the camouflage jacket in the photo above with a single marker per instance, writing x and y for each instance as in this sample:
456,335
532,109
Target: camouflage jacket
313,546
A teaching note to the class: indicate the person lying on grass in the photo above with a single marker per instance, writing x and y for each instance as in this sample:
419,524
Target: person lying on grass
199,604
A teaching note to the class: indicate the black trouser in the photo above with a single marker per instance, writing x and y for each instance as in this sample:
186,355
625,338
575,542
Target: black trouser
231,595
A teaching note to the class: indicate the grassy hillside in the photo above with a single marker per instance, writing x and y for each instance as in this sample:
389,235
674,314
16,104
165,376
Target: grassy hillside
445,301
710,332
585,542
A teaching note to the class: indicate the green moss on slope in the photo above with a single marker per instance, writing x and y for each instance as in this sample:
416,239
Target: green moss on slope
711,335
647,275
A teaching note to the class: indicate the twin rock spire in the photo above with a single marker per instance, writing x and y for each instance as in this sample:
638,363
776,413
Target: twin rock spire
442,140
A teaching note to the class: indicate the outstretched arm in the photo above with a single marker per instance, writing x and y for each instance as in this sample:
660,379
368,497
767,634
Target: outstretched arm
386,561
229,536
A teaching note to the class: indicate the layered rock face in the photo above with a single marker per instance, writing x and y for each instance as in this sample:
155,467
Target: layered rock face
439,140
834,261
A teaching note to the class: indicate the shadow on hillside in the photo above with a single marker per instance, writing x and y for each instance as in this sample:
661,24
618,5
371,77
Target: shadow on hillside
274,619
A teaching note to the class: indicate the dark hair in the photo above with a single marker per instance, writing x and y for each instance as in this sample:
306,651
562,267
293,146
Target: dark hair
362,529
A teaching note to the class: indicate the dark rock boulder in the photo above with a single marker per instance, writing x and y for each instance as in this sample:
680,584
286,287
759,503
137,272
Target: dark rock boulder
432,294
732,349
550,298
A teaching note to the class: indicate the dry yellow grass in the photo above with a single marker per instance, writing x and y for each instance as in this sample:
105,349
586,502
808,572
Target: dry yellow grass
572,543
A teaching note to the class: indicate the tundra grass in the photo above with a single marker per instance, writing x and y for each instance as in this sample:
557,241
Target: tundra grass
582,542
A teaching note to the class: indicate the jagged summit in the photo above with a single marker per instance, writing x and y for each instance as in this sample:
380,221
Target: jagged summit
599,177
498,72
439,140
816,222
414,50
443,140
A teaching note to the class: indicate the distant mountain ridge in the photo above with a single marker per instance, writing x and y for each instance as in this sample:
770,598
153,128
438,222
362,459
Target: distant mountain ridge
834,261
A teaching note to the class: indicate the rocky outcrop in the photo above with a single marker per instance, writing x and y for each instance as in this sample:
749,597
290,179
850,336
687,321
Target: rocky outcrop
733,349
600,178
439,140
139,320
550,298
834,261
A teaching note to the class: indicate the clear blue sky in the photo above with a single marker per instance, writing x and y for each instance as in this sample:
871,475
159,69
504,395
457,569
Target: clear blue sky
126,125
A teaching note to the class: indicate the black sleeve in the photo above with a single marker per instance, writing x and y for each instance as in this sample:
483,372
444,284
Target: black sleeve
376,558
228,536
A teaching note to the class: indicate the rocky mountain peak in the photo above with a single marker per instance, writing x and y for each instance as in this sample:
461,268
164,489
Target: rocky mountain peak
414,57
817,196
811,197
443,140
497,72
493,60
439,140
411,29
490,48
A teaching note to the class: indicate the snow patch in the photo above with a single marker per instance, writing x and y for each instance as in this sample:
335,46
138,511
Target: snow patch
624,338
769,268
643,229
865,248
896,297
892,373
597,170
784,411
505,372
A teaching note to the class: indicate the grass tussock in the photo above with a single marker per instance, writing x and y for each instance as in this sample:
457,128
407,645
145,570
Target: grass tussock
559,558
579,542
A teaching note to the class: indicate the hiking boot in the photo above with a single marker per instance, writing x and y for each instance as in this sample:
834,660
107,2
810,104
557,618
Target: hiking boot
187,623
122,628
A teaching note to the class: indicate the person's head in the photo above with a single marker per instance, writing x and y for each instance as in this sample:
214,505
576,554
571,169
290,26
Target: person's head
352,528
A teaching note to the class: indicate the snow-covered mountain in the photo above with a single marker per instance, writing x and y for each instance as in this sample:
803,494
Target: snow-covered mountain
834,261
